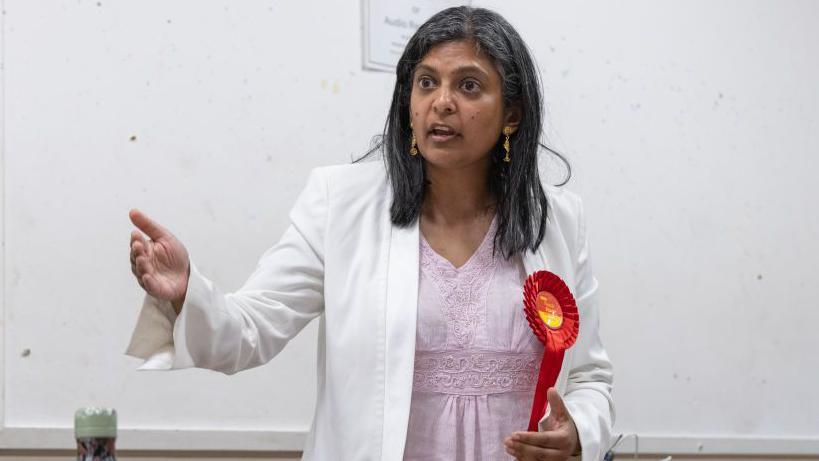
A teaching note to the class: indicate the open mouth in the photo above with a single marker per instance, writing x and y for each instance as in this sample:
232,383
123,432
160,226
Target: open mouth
441,133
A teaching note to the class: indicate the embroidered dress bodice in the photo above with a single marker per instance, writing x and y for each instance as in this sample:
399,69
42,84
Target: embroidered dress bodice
476,360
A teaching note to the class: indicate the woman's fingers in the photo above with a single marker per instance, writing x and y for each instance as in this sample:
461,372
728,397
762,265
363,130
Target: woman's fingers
138,245
136,236
538,445
551,439
155,258
524,452
136,250
147,225
142,265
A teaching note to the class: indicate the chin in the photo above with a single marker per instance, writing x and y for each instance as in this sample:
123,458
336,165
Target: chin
447,159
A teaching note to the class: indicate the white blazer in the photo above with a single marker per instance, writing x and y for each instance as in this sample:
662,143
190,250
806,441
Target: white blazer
343,261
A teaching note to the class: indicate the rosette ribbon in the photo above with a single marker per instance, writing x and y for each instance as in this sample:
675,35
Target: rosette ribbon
552,313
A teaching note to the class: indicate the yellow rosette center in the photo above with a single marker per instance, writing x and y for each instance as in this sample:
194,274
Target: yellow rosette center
549,310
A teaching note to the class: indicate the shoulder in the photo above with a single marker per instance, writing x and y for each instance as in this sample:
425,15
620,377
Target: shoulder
565,219
351,184
564,203
339,196
353,175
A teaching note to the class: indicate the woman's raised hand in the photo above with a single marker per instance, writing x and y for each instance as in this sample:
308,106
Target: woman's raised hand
161,264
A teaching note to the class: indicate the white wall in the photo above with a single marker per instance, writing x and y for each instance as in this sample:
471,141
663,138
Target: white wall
691,127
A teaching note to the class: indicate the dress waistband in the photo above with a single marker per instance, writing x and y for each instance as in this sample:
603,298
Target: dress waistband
475,372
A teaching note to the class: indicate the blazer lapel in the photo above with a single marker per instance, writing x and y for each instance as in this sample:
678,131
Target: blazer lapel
535,261
399,348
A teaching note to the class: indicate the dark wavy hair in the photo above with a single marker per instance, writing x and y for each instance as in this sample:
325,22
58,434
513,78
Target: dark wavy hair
516,186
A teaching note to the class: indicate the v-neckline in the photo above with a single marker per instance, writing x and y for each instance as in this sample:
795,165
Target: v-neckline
485,241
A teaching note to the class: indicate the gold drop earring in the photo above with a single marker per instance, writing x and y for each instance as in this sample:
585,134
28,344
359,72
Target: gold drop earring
507,131
413,147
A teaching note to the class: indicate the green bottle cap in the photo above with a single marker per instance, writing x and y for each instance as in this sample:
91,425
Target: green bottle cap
95,422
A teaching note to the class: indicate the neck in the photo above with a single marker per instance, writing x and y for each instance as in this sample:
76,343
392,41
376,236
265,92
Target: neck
458,196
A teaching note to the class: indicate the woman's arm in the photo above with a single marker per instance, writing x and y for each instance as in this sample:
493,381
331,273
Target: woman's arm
236,331
588,391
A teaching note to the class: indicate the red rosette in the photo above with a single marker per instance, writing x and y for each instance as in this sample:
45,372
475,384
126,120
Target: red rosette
552,313
551,310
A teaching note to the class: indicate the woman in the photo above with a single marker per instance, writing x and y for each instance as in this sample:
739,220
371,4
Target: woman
415,269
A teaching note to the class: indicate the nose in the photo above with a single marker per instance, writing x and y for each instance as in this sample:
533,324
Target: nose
444,103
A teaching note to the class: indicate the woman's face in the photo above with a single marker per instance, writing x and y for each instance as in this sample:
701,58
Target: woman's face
456,106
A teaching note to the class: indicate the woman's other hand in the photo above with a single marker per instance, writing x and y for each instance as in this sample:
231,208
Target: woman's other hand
161,264
558,441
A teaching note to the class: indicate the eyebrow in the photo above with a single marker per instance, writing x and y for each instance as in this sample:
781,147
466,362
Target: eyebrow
458,70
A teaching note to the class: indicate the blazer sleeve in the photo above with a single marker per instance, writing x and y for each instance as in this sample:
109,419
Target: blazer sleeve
588,390
247,328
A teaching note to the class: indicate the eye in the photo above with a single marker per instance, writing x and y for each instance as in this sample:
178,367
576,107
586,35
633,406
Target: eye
424,82
471,86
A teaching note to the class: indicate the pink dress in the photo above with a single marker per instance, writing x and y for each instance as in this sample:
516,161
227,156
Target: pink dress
476,360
